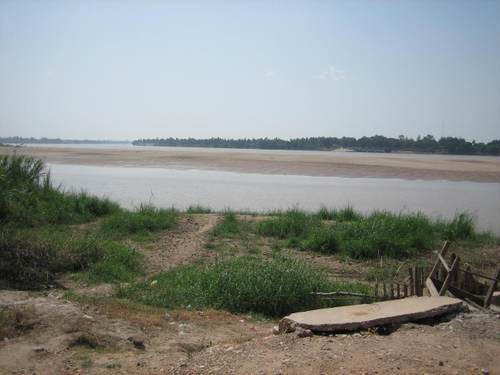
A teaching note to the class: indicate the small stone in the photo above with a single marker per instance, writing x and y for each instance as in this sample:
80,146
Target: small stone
276,330
168,317
441,363
154,282
485,371
301,332
137,341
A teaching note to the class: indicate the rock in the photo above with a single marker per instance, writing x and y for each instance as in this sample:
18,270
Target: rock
356,317
485,371
168,317
301,332
276,330
441,363
137,341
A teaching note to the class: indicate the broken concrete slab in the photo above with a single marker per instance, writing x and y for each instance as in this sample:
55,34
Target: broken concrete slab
356,317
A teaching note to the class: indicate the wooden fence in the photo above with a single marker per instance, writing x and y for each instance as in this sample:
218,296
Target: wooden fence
447,277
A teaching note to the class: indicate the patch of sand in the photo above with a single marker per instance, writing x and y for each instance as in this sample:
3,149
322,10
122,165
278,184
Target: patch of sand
342,164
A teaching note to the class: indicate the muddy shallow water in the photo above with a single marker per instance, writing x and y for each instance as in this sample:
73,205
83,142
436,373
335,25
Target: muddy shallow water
181,188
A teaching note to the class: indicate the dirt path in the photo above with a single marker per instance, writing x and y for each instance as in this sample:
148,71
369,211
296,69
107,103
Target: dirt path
180,245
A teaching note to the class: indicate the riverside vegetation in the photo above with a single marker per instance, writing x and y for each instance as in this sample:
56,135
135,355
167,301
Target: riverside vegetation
47,232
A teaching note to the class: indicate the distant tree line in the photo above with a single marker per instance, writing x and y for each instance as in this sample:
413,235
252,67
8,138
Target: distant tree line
377,143
20,140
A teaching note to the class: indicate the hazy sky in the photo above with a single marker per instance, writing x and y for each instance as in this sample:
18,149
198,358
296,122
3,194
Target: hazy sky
125,70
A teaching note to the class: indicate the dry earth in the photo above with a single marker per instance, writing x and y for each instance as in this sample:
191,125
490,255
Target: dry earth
407,166
102,335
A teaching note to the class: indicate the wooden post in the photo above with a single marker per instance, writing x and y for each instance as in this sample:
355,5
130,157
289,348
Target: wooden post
410,270
376,291
385,290
417,281
398,290
405,290
493,285
392,290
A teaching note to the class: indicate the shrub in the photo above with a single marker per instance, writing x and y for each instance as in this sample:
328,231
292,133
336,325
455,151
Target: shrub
273,287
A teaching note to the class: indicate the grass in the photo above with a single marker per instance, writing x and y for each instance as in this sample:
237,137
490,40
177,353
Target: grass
394,235
33,258
273,287
29,198
140,223
198,209
229,226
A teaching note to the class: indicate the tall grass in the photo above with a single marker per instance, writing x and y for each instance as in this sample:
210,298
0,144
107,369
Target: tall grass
29,198
395,235
145,220
273,287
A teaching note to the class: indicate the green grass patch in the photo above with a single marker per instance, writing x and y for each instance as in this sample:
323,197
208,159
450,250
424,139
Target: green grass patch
379,234
119,263
140,223
29,198
273,287
198,209
229,226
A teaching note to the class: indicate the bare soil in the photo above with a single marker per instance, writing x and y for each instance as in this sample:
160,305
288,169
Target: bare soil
343,164
55,336
96,333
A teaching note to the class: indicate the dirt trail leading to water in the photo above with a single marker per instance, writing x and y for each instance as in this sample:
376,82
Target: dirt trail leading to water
180,245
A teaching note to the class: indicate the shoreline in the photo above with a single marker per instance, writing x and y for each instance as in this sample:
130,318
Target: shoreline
335,164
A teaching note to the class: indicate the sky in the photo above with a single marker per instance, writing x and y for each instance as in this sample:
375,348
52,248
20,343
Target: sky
141,69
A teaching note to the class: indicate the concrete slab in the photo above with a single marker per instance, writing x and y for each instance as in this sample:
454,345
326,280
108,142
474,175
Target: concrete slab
356,317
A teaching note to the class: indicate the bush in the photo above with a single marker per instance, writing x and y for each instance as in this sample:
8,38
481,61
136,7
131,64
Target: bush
274,287
145,220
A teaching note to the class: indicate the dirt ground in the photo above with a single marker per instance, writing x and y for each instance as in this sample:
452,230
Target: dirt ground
96,333
343,164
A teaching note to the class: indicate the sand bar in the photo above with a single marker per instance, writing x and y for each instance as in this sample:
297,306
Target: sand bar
339,164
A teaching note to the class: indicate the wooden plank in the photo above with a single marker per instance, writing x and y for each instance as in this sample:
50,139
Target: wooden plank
489,294
431,287
444,263
447,280
443,251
